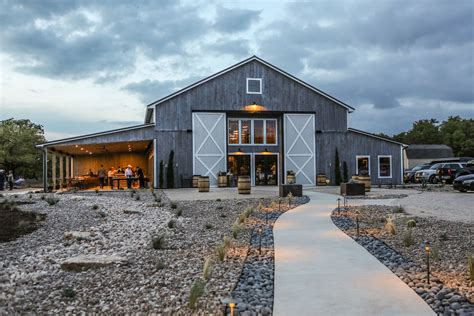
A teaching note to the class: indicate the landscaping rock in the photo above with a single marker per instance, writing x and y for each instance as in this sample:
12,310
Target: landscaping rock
86,262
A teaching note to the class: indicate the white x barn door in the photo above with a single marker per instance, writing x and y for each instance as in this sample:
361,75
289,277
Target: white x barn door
209,144
299,146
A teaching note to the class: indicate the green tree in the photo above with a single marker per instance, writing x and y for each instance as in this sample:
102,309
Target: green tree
170,171
458,133
18,139
422,132
160,177
338,169
345,172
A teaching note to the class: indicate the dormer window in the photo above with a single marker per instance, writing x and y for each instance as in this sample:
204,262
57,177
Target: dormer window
254,86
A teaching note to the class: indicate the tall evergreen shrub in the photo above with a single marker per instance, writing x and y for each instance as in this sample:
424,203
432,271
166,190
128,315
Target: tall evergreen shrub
338,168
170,171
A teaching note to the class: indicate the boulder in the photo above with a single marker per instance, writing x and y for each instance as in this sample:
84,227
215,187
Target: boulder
77,235
85,262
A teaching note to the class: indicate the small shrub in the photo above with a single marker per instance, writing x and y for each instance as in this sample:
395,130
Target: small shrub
208,226
197,290
173,205
408,239
390,226
411,223
96,190
137,198
236,229
435,253
132,194
290,199
207,269
220,207
43,197
399,209
69,292
160,265
95,207
220,252
260,206
134,191
227,242
158,200
51,200
242,218
102,214
158,242
443,236
151,190
249,210
218,200
179,212
172,224
470,266
30,196
223,215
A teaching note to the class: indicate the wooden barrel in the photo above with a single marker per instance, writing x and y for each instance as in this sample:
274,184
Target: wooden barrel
203,184
243,185
222,181
290,179
366,181
195,180
355,178
321,179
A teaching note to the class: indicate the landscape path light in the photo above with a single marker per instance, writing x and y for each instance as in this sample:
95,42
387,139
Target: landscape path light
338,204
427,250
357,222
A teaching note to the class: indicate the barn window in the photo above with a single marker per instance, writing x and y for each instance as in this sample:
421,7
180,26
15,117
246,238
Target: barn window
233,131
254,85
385,166
363,165
245,131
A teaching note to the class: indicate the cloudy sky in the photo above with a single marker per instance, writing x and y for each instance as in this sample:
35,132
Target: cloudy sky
84,66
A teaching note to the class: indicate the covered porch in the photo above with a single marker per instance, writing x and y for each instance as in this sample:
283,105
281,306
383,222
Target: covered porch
74,162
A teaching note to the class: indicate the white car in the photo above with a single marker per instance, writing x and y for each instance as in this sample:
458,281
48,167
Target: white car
429,175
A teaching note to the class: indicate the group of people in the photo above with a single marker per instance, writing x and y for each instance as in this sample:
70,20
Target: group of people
8,178
129,174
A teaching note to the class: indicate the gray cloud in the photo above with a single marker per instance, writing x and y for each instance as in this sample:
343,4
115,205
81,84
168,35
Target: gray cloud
235,20
152,90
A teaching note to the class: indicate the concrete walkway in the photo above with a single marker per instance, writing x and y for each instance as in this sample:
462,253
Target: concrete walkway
321,271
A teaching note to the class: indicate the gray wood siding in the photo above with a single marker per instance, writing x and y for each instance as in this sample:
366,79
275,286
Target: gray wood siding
349,145
227,93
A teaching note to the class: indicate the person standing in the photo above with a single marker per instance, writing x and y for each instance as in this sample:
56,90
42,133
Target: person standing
128,175
141,177
110,175
2,180
10,179
101,174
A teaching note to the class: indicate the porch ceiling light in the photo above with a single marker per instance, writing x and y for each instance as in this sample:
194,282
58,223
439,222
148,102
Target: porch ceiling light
254,108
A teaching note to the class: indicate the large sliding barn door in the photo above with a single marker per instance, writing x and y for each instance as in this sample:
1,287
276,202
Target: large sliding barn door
209,144
299,146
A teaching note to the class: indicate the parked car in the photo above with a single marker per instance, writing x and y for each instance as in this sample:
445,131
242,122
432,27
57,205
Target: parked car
468,169
428,175
448,171
464,183
409,174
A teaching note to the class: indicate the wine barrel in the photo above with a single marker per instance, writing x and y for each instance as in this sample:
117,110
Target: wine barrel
321,179
222,181
366,181
290,179
243,185
195,180
203,184
355,178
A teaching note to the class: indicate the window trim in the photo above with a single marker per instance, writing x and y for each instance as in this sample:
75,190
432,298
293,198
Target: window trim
378,166
240,119
247,86
357,164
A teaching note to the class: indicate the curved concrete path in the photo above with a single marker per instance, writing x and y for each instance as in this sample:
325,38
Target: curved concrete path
319,270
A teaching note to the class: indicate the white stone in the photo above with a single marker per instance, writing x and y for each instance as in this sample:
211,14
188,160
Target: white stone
85,262
77,235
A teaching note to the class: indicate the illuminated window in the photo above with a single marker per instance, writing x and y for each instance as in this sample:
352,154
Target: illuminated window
270,131
385,166
245,131
233,131
258,132
363,165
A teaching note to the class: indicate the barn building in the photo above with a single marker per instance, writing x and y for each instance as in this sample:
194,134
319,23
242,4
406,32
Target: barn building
249,119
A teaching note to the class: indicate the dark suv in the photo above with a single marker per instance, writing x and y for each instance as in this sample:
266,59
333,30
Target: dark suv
448,171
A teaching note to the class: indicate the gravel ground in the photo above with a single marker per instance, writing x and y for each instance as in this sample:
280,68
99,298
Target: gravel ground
451,290
158,281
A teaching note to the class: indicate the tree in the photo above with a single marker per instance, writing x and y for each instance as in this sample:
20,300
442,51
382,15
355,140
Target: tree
422,132
160,177
338,169
458,133
170,171
18,139
345,172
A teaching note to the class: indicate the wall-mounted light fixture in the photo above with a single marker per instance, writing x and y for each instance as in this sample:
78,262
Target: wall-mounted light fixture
254,108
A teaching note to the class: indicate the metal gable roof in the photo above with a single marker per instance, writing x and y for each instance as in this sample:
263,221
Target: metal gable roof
253,58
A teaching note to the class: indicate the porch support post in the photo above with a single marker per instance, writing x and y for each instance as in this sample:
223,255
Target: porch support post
45,170
68,167
61,171
53,174
155,169
72,167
